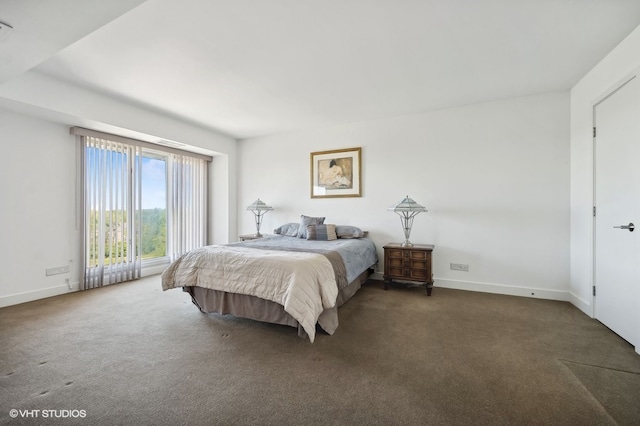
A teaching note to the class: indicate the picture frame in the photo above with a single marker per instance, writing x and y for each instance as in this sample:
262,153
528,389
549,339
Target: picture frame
336,173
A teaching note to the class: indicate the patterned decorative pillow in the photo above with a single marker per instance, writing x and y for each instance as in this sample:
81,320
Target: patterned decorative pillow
321,232
308,220
288,229
348,231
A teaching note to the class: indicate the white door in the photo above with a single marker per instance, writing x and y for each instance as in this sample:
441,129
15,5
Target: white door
617,201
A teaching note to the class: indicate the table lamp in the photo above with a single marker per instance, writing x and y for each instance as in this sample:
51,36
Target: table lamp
407,209
259,209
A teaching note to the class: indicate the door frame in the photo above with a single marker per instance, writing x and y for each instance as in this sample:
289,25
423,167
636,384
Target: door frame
604,96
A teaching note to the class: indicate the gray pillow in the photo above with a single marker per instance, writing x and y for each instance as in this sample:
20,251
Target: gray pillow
321,232
348,231
308,220
288,229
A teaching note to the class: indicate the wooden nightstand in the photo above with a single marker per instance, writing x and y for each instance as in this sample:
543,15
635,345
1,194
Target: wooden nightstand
248,237
412,263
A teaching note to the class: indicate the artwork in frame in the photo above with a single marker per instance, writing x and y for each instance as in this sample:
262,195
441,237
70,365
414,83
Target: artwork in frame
336,173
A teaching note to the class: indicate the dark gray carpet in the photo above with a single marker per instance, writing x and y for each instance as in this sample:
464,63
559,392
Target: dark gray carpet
617,390
131,354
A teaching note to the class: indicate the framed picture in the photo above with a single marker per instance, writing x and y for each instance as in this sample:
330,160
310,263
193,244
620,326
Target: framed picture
336,173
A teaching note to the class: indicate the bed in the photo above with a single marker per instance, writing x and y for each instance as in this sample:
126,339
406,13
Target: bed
297,277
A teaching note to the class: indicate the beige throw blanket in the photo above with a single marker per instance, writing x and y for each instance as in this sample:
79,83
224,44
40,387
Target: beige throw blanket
304,283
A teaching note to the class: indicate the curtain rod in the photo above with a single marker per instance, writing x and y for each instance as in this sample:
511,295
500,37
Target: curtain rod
81,131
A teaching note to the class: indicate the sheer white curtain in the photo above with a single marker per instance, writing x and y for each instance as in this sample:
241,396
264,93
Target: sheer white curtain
187,204
112,203
112,199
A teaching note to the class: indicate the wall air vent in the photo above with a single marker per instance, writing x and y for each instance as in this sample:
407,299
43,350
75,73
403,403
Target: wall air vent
170,143
5,29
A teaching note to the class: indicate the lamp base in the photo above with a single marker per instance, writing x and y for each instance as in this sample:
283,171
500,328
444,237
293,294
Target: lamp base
407,243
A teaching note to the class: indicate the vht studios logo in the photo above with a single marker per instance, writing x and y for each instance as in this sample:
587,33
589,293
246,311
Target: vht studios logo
58,414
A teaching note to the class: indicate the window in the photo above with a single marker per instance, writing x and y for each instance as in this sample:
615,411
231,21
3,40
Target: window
154,206
142,205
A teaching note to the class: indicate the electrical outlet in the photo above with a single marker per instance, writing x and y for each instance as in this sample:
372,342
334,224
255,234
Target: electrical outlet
459,267
57,270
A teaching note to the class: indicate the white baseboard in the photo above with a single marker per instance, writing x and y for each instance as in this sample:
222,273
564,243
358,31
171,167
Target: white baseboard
153,270
30,296
582,304
510,290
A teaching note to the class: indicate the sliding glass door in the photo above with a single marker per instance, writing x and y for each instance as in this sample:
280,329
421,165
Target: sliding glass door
154,206
142,207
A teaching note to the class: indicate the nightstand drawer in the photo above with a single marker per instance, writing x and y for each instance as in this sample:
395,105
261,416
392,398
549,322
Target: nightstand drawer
418,255
418,264
396,263
394,254
418,274
396,272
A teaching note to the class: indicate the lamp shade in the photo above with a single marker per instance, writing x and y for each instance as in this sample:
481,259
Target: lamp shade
259,208
407,209
407,205
259,205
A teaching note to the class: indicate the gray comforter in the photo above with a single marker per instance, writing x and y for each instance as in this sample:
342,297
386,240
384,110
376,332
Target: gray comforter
358,254
303,276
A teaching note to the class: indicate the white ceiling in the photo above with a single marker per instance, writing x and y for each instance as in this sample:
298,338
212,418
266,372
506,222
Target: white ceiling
257,67
41,29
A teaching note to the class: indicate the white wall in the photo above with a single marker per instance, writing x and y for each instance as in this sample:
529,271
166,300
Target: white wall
494,176
38,174
598,82
38,193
